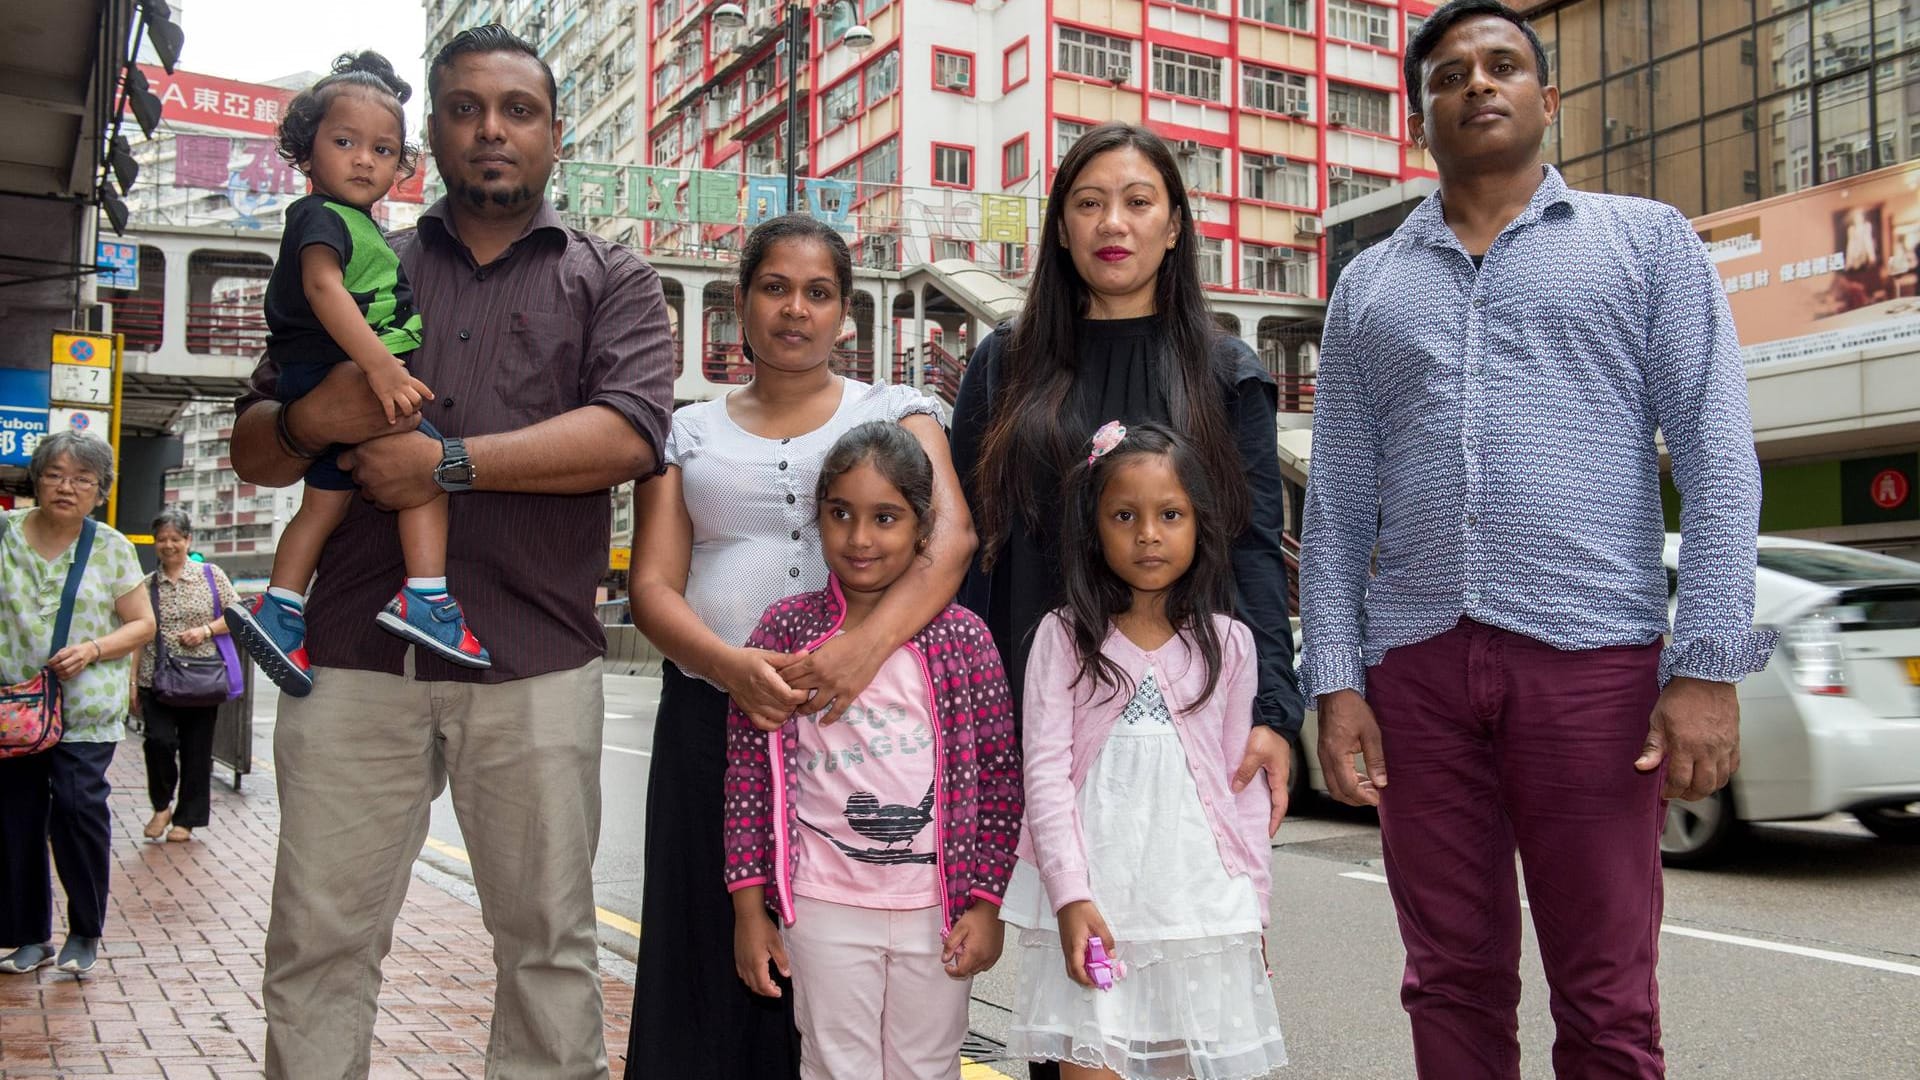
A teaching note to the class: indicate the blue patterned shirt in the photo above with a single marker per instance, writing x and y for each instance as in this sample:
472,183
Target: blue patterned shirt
1484,440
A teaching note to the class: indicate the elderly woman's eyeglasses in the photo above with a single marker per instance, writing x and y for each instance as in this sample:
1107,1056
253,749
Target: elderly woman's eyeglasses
77,483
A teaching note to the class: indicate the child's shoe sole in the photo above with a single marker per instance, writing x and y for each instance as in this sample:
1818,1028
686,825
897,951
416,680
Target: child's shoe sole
253,638
397,625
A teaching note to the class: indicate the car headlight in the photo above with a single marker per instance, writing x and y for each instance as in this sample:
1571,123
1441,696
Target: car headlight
1818,657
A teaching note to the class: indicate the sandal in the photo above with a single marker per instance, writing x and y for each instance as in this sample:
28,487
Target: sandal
179,834
157,824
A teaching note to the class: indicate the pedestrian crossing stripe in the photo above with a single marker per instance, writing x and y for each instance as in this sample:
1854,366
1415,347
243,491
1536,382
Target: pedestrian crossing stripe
969,1070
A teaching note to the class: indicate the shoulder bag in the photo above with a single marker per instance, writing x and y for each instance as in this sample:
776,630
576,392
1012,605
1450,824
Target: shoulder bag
189,682
31,719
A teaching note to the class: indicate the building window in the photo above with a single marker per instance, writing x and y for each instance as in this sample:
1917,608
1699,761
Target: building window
1345,185
953,72
1213,260
1270,178
881,165
1204,168
1065,134
1414,23
1013,162
950,247
1274,269
1096,56
952,166
1366,24
1176,71
840,104
1276,91
1359,107
1013,258
880,251
1013,66
882,77
1297,14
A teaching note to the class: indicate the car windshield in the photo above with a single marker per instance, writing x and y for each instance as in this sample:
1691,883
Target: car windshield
1828,566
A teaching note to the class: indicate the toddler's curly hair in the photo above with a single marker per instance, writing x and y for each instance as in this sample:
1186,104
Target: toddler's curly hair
366,71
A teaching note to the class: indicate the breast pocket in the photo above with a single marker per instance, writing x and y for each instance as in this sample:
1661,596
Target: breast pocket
539,375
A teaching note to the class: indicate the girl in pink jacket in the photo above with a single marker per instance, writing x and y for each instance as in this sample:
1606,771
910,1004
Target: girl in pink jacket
1137,695
880,844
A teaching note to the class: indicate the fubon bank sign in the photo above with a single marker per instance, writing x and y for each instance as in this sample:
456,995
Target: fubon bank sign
1832,269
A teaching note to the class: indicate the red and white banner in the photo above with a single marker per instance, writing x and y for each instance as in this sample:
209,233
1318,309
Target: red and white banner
212,102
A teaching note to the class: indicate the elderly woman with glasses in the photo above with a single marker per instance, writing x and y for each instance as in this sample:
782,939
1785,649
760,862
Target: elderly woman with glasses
178,741
58,798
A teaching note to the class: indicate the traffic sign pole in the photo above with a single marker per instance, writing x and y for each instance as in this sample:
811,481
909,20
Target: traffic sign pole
113,493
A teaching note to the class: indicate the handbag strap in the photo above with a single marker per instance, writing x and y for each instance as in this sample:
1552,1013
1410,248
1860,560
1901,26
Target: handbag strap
159,634
83,548
224,642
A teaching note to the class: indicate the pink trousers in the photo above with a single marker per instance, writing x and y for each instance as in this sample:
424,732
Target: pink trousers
870,996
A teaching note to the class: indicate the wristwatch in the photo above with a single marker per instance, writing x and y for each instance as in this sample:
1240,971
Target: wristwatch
455,471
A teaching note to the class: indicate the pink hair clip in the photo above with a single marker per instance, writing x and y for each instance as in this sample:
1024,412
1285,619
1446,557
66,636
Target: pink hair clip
1108,437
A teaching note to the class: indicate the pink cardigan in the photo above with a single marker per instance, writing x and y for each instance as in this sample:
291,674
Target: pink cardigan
1065,731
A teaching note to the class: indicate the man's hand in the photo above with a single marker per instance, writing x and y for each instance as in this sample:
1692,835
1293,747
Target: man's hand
400,393
1348,727
395,472
974,944
752,679
835,674
1079,921
1267,749
343,409
1696,731
756,944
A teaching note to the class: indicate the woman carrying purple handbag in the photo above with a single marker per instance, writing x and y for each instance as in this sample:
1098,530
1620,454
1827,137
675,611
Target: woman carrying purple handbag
182,680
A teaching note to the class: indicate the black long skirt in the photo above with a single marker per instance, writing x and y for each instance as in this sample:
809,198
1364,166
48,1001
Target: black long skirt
693,1019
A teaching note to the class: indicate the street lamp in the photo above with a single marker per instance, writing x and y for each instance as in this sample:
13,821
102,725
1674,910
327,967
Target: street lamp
731,16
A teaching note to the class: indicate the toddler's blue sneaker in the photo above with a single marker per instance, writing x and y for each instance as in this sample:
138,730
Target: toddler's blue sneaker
274,633
434,623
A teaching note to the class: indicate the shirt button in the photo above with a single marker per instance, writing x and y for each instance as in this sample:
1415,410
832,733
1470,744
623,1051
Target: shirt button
793,571
1473,519
785,441
464,335
789,500
446,402
783,466
796,534
1479,301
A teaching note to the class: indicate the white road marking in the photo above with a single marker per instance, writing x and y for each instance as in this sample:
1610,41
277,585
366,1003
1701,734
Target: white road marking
626,750
1850,959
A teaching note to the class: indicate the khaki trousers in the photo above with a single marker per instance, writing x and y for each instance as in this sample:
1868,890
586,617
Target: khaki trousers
358,764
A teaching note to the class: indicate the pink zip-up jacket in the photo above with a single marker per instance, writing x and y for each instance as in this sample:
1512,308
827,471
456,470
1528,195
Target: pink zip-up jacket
978,800
1067,726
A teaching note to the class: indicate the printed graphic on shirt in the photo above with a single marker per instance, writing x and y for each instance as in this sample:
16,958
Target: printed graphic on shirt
866,796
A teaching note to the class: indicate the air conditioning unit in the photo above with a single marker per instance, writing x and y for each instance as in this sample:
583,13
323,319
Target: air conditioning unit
761,22
1301,114
1308,226
956,80
1189,147
1119,73
841,113
1339,172
1336,119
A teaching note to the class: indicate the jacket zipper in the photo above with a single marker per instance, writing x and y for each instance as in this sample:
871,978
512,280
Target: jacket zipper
782,876
939,793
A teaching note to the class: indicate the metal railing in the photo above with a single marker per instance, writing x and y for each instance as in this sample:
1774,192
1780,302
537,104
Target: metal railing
1296,392
141,319
727,364
940,369
226,329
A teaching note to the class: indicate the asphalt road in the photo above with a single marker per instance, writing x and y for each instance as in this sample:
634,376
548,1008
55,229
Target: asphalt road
1797,960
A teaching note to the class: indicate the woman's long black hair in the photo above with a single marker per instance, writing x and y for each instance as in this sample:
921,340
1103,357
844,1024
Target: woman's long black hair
1037,369
1094,594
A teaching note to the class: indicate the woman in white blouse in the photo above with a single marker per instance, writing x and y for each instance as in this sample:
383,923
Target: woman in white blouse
727,530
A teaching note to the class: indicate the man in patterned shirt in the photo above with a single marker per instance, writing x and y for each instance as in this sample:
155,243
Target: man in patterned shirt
1482,591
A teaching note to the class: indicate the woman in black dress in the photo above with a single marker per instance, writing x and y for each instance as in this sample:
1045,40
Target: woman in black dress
1117,327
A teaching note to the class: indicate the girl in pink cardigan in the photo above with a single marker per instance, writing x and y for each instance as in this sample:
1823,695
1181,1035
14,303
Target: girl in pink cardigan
880,844
1137,696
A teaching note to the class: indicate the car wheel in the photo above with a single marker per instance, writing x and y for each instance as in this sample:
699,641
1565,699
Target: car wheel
1898,823
1697,833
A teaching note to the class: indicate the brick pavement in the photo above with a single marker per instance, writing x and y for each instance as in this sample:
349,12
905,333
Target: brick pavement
177,992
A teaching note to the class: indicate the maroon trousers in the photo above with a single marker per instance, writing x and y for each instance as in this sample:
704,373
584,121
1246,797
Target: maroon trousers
1494,743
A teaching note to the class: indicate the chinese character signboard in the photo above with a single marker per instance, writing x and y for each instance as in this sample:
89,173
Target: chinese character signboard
23,414
1826,270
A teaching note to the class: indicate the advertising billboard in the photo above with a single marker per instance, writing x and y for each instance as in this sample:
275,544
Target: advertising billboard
1831,269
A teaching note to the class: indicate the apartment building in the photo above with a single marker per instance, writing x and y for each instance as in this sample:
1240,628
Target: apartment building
236,524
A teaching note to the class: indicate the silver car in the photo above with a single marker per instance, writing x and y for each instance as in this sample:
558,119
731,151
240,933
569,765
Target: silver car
1833,722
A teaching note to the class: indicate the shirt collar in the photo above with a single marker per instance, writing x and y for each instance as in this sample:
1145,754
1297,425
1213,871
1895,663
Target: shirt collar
441,229
1428,224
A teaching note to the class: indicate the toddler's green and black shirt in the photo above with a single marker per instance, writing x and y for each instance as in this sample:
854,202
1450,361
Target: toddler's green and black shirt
369,268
